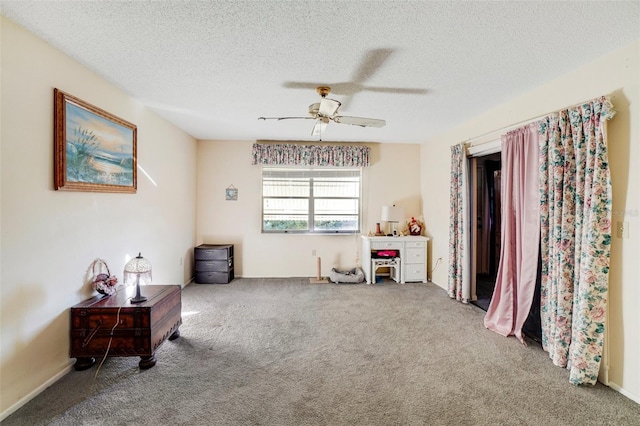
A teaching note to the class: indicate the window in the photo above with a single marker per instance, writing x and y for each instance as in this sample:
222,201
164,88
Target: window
311,200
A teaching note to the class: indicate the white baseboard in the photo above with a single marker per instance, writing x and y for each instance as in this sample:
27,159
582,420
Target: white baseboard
22,401
615,387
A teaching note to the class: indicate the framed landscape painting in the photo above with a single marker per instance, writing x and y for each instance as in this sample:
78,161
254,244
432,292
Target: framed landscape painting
93,150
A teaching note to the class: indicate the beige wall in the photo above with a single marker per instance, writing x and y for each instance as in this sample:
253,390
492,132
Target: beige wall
49,238
617,75
393,177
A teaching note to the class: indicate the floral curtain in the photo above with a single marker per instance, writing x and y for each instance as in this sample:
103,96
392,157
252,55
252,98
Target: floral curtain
575,197
310,155
459,285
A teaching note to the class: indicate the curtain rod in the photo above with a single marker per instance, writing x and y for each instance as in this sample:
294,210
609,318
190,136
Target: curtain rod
505,128
527,121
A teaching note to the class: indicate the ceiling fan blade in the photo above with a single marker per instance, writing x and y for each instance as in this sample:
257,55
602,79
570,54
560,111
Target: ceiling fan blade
285,118
328,107
319,127
359,121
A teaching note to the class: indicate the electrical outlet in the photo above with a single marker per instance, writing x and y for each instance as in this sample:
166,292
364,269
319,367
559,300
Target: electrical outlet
313,252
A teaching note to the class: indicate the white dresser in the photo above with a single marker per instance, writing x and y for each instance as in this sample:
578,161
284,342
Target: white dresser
412,252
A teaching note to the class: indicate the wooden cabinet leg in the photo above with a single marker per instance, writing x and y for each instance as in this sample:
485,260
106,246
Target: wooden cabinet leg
84,363
147,362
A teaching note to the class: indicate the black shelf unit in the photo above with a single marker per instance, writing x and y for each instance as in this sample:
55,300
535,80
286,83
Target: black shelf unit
213,263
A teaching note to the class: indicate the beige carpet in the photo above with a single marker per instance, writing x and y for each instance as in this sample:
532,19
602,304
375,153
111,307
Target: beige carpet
287,352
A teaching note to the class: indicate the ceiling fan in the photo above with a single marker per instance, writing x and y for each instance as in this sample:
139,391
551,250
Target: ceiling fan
327,110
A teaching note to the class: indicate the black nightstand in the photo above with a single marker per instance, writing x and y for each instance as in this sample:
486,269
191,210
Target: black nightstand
214,263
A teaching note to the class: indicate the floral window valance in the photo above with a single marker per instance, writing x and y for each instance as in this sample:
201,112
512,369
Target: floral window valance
310,155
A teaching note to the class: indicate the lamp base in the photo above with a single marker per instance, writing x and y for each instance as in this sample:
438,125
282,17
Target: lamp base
138,298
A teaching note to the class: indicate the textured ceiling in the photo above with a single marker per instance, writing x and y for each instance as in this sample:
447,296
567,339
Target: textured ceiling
213,67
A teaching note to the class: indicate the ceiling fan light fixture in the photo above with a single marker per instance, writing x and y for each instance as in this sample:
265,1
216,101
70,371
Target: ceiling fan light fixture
314,108
328,107
319,127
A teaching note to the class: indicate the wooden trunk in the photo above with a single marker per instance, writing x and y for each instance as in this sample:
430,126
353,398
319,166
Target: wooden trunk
114,326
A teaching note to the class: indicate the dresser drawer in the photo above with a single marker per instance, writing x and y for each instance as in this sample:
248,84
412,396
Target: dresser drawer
213,252
414,255
410,244
380,245
415,272
214,265
214,277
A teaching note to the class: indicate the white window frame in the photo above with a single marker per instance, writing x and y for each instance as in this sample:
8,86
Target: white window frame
311,173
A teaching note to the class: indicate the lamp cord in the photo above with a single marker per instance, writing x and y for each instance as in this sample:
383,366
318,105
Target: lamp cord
93,382
110,338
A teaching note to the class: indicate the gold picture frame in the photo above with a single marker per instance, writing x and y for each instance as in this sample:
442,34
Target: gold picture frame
93,149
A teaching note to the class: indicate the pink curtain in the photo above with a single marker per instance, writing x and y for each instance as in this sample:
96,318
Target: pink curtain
520,233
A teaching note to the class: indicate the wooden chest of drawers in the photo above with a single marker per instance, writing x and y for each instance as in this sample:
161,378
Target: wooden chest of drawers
214,263
114,324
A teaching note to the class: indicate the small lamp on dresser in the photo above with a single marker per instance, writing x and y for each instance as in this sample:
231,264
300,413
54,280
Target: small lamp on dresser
392,215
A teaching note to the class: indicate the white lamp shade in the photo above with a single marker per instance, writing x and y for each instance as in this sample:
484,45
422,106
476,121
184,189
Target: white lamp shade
137,270
392,214
138,264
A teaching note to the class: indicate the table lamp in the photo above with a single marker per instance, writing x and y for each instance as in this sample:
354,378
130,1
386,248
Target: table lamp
393,215
137,268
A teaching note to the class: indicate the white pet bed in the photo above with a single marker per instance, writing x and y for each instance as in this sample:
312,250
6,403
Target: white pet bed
352,276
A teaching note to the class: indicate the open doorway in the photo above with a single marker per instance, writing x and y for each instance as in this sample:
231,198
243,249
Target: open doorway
485,233
485,210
